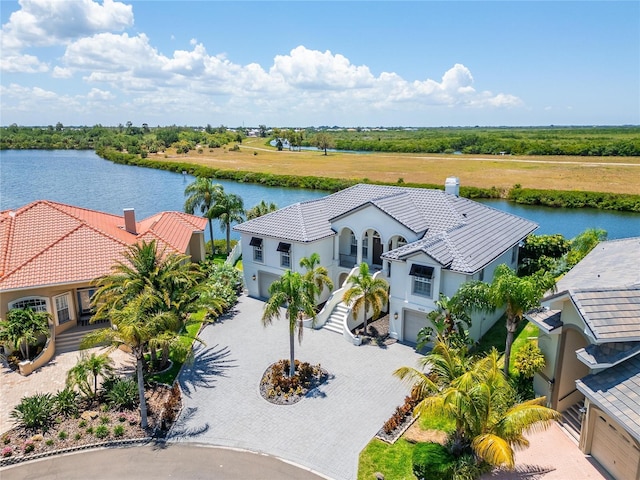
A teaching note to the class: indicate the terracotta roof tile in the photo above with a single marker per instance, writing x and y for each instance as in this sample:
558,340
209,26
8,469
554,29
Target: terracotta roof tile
45,243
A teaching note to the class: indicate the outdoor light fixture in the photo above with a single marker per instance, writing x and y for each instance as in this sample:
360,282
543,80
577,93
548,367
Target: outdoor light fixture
253,278
395,316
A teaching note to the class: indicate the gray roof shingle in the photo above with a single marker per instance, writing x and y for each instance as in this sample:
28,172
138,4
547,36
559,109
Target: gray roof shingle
461,234
610,314
617,391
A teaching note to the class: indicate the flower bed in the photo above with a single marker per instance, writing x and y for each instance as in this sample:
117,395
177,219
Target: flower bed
277,387
398,423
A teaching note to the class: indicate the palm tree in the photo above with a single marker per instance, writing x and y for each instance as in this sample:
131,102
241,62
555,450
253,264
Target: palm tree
23,327
135,325
316,277
450,321
88,369
228,208
366,292
487,422
291,290
261,209
517,294
171,279
201,194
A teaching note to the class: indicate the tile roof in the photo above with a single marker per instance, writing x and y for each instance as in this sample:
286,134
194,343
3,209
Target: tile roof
47,243
461,234
603,267
609,314
617,391
608,354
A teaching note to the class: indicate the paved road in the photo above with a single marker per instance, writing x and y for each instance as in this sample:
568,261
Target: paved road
325,432
173,461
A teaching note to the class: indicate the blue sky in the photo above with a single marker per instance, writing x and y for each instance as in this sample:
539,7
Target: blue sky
304,63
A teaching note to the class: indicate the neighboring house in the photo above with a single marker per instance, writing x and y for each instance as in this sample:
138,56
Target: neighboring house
422,242
590,336
51,252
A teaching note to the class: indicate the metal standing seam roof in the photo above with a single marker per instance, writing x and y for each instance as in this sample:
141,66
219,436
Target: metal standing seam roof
461,234
617,391
48,243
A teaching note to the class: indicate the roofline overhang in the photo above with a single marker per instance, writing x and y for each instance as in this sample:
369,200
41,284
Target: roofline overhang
603,366
48,285
542,326
587,393
256,234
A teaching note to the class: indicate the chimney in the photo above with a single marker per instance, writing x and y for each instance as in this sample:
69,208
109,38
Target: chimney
130,220
452,186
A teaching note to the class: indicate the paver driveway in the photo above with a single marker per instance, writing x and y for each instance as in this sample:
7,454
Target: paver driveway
324,432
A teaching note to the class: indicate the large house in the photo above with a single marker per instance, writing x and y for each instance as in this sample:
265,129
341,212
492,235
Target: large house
590,336
51,252
422,242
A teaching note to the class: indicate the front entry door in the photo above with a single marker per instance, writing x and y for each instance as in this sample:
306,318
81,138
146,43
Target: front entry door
377,251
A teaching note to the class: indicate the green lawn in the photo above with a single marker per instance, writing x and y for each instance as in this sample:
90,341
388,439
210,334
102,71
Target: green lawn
497,336
393,461
170,375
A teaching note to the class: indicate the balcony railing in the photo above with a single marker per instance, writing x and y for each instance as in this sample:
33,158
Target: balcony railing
347,261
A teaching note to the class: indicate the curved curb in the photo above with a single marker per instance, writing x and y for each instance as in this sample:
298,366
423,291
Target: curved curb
7,461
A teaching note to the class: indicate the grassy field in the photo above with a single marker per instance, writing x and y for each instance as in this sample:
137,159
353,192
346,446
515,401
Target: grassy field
596,174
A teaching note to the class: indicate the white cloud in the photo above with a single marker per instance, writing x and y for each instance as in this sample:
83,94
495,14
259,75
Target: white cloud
52,22
97,94
22,64
59,72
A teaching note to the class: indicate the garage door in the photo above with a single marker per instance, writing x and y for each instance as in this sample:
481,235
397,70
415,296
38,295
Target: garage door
614,448
264,282
413,323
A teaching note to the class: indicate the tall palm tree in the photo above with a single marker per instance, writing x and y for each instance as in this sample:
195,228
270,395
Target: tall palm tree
487,422
22,328
366,292
291,290
517,294
316,276
227,208
261,209
201,194
170,278
135,325
87,370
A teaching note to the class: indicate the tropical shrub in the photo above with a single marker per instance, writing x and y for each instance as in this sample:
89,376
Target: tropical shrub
66,401
432,461
122,393
101,431
118,431
36,412
529,360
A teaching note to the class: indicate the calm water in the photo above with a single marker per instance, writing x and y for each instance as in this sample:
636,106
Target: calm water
84,179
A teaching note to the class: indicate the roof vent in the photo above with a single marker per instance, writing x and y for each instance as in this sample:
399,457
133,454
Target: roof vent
452,186
130,220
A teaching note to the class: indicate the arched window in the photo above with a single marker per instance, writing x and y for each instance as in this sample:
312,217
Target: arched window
37,304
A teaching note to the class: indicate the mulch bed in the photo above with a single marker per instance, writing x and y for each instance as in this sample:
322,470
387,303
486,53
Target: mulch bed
74,433
272,383
377,332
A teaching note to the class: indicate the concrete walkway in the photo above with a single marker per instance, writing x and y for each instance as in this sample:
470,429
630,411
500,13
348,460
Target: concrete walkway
326,432
47,379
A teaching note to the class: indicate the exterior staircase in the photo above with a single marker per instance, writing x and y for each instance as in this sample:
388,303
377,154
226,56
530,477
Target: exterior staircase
335,321
572,419
69,341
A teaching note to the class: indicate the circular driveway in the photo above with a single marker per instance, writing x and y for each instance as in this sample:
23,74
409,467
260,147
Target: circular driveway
325,431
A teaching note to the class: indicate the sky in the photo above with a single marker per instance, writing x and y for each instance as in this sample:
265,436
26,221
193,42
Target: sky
313,63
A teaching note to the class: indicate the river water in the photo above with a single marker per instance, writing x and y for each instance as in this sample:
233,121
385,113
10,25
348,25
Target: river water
80,177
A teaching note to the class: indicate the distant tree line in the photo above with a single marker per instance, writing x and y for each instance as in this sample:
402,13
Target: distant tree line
595,141
132,139
581,141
